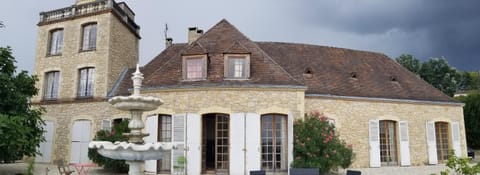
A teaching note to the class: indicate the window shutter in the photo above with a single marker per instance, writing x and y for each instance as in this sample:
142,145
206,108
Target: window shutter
193,142
178,128
404,144
252,132
106,124
290,137
151,127
431,143
374,143
178,136
456,139
237,143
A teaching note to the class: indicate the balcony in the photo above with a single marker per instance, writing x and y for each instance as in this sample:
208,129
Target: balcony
87,9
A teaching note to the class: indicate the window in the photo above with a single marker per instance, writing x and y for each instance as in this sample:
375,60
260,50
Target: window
237,67
274,143
56,41
51,85
441,135
85,85
388,142
195,68
89,38
164,135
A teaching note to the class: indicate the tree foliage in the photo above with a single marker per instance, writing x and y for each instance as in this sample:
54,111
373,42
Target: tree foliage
21,127
442,76
317,145
471,114
409,62
435,71
112,136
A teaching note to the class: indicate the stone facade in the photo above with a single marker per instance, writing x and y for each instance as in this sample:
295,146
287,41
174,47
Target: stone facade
352,119
177,101
116,50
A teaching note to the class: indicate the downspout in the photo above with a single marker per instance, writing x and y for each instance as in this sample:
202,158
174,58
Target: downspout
186,144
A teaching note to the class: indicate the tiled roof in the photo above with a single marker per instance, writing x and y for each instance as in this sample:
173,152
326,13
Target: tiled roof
331,71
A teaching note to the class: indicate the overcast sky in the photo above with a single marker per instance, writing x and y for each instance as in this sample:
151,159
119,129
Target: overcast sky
425,29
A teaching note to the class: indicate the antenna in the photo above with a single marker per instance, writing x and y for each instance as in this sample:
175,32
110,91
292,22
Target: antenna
165,31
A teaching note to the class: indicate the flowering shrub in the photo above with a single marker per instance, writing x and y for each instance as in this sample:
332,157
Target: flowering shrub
316,145
115,135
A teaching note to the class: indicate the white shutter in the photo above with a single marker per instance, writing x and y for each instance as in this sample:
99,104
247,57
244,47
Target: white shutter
151,127
90,78
374,139
193,142
431,143
237,143
456,139
86,131
290,138
106,124
80,140
178,137
404,144
252,132
178,128
46,147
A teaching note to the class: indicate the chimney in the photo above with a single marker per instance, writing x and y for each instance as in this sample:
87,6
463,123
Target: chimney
193,34
168,42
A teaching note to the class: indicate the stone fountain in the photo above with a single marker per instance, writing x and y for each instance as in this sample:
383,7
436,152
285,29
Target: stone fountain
135,151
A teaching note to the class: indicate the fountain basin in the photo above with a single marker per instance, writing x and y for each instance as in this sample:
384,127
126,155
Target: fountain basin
131,151
128,103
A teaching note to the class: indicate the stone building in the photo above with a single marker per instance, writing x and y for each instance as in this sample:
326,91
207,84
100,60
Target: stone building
230,102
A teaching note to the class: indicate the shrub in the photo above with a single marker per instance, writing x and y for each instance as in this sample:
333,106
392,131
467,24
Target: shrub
461,165
112,136
317,145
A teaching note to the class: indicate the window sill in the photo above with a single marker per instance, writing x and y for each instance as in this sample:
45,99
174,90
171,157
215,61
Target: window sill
54,55
87,50
240,79
198,79
49,100
84,97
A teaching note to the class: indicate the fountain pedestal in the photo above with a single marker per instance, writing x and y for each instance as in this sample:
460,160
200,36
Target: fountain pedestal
135,151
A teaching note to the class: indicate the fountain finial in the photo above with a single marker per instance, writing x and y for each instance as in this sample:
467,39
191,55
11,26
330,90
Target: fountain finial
137,81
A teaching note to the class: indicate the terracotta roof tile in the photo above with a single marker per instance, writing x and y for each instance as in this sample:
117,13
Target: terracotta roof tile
333,71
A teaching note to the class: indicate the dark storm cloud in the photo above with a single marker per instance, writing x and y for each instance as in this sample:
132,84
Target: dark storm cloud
449,28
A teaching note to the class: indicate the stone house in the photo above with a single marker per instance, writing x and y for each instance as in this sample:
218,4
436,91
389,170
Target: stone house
230,102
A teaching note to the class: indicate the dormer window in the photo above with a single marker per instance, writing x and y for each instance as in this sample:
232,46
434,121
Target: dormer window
237,66
195,67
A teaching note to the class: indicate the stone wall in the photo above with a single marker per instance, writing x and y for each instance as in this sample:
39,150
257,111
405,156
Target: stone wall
200,101
116,49
352,117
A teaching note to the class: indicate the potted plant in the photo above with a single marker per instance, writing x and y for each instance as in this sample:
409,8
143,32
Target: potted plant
317,147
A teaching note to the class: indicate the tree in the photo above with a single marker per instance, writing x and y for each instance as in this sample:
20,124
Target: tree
410,62
471,115
317,145
21,127
441,75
